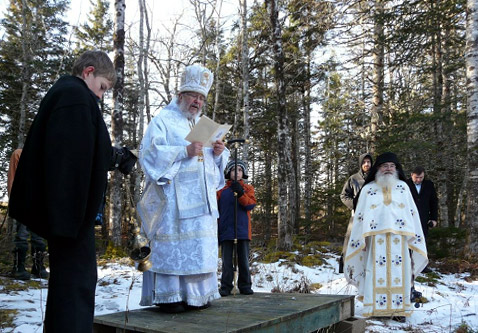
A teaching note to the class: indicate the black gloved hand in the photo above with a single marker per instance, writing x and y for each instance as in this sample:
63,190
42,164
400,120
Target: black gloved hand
123,160
237,188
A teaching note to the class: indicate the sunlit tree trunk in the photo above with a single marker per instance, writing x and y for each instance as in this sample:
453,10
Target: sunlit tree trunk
217,77
472,131
143,98
439,110
286,181
116,205
245,77
26,75
378,72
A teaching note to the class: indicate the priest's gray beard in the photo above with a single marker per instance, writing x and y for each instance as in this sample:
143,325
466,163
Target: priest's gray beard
386,180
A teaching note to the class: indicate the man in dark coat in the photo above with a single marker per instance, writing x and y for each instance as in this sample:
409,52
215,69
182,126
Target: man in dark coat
59,183
425,196
349,192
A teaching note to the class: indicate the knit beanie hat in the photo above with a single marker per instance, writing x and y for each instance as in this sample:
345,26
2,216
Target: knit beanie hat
240,164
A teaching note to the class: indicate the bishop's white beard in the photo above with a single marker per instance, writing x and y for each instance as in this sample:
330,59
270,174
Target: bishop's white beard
183,107
386,180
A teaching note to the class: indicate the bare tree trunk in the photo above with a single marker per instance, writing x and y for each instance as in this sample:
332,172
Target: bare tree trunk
472,132
218,62
237,111
308,155
460,203
245,78
438,105
141,67
296,172
116,204
446,217
26,75
268,204
143,82
286,180
378,73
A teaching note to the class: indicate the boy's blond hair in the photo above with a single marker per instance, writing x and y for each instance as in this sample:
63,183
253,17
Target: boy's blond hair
100,61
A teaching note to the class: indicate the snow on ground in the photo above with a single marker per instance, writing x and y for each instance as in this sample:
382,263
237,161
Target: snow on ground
452,301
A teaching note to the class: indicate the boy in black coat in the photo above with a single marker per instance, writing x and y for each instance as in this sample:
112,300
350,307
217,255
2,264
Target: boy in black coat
59,183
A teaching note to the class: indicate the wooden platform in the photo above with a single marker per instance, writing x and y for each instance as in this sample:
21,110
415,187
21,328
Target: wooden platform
261,312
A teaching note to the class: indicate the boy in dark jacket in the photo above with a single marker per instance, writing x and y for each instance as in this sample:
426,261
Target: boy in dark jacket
246,201
59,185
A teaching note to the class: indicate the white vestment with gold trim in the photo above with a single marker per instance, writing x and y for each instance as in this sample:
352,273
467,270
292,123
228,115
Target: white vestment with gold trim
386,247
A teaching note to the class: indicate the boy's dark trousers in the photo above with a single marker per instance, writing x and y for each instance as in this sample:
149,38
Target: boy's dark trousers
70,303
244,280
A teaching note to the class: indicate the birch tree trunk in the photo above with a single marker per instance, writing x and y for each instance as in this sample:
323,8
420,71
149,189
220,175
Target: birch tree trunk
245,78
141,69
296,174
442,137
472,128
445,122
143,98
26,75
307,152
378,73
286,181
218,62
117,121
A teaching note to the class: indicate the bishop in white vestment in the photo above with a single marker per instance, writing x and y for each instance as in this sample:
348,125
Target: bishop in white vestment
178,209
386,247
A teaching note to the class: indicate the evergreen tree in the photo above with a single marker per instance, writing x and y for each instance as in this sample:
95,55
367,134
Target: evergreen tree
32,56
97,33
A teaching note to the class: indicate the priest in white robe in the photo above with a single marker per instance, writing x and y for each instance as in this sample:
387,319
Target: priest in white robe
178,209
386,247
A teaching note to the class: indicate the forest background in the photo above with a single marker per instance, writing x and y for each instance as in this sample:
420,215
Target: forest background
312,85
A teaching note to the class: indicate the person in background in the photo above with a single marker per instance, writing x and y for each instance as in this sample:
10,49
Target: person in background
425,196
38,244
178,209
350,190
246,201
59,185
386,247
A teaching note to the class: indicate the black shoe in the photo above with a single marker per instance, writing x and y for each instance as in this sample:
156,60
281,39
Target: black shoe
400,319
201,307
248,291
224,292
176,307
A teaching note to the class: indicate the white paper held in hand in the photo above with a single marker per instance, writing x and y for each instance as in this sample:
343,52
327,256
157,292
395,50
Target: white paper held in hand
207,131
